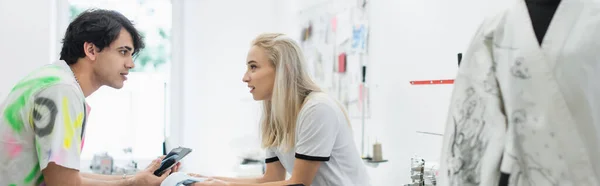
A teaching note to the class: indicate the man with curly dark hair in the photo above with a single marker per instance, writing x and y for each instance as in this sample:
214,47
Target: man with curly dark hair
43,120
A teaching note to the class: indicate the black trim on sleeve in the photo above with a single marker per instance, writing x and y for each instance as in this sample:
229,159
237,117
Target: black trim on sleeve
271,160
312,158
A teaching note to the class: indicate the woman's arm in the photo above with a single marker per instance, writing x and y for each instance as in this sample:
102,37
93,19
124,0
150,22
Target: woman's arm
274,172
304,172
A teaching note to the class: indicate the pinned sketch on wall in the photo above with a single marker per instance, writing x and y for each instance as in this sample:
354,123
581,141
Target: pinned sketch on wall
343,29
335,42
318,50
320,68
341,67
357,92
355,107
315,64
306,33
362,4
353,76
333,24
359,38
338,45
354,66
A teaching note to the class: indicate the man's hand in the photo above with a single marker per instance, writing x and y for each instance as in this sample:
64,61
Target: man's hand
147,177
174,168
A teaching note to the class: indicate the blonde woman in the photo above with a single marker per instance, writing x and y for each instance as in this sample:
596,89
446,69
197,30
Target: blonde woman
306,133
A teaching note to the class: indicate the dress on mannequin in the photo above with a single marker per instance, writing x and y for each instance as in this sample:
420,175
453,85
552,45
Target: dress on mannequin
541,13
524,105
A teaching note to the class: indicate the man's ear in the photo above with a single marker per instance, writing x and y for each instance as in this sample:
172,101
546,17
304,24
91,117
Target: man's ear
90,50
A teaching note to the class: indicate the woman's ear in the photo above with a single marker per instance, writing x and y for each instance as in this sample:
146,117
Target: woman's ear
90,50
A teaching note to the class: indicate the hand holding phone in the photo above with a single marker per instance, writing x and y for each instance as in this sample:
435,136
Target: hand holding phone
172,159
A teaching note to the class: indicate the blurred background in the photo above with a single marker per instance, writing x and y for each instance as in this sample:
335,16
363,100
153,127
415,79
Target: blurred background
187,87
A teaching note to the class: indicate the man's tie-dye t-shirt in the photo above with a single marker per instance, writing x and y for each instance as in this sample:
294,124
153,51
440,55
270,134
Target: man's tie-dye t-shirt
41,121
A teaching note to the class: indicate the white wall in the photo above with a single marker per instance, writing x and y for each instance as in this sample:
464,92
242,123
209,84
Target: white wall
217,114
27,39
415,40
409,40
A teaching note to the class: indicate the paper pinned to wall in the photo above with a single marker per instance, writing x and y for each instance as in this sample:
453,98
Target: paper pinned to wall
355,107
339,28
343,27
356,92
354,67
353,95
359,38
334,24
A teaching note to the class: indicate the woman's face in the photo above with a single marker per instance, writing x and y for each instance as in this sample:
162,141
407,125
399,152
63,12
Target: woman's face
260,74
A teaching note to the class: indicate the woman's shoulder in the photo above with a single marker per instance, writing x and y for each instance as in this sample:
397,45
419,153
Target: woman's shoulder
319,109
321,103
319,99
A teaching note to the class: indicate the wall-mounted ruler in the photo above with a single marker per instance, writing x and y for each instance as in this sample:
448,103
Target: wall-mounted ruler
432,82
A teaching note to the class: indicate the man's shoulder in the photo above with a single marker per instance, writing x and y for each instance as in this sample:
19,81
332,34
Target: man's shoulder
61,88
48,79
47,74
53,70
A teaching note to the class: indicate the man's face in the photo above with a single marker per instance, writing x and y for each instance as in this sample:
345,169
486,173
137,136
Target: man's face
113,63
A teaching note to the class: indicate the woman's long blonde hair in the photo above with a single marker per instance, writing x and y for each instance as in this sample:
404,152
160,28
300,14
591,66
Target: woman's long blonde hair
292,85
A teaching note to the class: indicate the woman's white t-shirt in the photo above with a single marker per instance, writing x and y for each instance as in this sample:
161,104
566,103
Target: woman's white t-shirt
324,134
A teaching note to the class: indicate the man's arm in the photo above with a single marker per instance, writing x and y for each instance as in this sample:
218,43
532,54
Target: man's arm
103,177
57,119
118,177
56,175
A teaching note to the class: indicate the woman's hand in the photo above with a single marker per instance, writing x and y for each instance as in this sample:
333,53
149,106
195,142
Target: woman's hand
197,175
212,182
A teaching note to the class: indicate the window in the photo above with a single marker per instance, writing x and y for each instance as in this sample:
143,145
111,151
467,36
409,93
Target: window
135,116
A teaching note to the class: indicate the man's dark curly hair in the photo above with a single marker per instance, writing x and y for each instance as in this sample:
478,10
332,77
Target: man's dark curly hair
100,27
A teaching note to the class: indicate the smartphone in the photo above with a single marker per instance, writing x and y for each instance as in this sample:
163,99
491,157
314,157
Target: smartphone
172,159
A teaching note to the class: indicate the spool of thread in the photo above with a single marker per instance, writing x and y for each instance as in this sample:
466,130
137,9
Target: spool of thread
417,169
377,156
